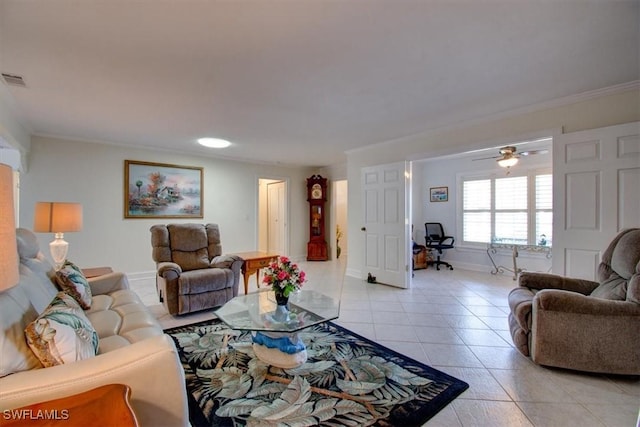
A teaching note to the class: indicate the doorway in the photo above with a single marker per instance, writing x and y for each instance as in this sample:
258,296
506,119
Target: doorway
338,222
471,229
273,224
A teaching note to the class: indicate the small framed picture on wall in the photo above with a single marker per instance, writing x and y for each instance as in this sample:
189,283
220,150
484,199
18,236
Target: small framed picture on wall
439,194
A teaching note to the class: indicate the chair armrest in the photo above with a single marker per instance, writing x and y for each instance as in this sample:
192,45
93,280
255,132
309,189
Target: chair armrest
225,261
166,268
108,283
445,239
573,302
553,281
150,367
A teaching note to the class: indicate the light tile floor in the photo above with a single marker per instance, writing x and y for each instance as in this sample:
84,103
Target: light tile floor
456,321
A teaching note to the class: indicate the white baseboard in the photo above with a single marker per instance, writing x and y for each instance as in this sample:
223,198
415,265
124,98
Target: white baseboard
471,267
141,276
353,272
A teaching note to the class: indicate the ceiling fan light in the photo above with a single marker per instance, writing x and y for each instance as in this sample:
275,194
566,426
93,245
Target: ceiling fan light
214,142
507,162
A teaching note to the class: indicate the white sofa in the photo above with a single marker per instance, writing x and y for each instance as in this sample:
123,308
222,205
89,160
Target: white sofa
132,350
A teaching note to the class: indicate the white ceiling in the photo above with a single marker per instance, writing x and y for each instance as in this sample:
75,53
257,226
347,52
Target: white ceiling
301,81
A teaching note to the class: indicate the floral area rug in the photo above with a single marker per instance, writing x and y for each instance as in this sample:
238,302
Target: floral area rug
347,380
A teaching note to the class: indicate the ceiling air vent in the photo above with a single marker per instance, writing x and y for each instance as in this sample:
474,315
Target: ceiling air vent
13,80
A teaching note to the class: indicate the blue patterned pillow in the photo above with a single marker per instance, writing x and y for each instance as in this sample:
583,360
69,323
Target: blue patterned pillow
62,333
72,281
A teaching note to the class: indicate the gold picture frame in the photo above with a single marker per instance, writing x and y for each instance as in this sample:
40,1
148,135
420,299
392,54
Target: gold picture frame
161,190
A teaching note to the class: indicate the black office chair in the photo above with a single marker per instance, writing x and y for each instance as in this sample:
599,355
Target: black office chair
435,239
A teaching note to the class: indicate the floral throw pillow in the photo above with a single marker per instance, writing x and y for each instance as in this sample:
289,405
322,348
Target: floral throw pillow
62,333
72,281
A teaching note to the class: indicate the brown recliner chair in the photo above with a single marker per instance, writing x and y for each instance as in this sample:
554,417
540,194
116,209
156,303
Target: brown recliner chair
580,324
193,274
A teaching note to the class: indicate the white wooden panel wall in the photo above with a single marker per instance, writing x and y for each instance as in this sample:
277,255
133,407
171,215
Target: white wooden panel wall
596,177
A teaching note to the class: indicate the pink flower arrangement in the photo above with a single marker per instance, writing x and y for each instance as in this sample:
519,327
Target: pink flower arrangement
284,276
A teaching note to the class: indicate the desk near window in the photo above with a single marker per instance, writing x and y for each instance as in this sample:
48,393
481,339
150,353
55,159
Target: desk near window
492,249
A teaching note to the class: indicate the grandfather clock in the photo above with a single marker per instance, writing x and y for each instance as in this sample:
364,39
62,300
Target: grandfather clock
316,196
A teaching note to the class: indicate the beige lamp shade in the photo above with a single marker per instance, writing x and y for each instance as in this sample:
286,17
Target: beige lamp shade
8,247
57,217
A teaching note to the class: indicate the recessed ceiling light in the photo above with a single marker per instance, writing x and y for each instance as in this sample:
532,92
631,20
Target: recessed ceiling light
214,142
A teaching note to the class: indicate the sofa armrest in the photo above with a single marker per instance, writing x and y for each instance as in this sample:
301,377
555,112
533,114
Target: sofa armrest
572,302
150,367
108,283
167,279
574,331
553,281
226,261
168,269
234,263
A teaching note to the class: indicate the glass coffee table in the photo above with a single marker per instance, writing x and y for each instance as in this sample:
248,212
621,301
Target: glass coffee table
275,329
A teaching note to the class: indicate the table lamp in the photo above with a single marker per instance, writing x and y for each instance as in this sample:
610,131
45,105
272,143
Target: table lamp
8,247
58,218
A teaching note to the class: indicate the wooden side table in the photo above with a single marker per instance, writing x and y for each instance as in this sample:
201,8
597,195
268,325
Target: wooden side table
107,406
96,271
253,262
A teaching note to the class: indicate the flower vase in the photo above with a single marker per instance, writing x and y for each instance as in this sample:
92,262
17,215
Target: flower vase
282,310
281,299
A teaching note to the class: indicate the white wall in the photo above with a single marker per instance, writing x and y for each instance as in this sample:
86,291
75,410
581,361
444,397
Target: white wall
92,174
12,132
9,156
586,111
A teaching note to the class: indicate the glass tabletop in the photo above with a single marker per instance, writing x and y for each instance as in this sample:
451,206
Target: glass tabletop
257,311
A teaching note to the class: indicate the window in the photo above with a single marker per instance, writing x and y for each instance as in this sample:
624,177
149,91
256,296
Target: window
513,209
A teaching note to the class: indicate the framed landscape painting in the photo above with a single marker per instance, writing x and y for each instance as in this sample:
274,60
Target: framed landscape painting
439,194
158,190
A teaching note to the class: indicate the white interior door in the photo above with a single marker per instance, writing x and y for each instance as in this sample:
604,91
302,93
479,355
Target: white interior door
596,182
277,217
386,226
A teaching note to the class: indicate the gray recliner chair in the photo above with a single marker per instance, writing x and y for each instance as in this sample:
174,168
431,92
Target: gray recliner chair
192,274
580,324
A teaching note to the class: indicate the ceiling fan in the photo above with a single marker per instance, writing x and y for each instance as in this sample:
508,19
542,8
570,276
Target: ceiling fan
508,156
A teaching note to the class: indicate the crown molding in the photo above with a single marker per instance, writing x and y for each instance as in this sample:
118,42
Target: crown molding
554,103
196,152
